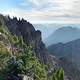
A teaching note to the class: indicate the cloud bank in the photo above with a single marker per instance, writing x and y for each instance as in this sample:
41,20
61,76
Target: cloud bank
36,11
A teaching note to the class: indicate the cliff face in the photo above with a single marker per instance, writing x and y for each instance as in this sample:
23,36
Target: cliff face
31,37
12,34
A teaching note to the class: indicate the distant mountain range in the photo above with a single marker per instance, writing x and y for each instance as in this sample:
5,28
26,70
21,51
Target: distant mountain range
70,50
64,43
46,29
64,35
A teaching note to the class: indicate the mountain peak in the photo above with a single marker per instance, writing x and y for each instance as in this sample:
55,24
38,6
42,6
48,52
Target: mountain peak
67,28
63,34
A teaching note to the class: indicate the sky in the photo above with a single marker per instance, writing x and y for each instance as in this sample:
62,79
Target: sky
43,11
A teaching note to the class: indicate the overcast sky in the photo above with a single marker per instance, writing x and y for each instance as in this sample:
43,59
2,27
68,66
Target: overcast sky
43,11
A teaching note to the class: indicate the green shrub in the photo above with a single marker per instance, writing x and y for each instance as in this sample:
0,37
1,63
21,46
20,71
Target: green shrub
58,75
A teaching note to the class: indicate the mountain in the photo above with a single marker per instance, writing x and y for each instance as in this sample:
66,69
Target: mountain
23,53
69,55
70,68
30,36
46,29
70,50
63,34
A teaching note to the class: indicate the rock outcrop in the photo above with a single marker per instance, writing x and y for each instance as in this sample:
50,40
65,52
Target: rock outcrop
30,36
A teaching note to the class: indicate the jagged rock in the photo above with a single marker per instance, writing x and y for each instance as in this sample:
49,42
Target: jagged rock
23,28
27,78
31,36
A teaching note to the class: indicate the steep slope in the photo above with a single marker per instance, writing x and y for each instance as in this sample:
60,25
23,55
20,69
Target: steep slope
28,54
71,50
71,70
64,34
16,58
22,51
30,36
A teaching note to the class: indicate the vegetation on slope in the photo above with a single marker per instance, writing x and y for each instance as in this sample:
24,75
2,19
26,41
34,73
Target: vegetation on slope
16,58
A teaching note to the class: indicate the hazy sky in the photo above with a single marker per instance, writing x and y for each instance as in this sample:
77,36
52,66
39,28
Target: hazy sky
43,11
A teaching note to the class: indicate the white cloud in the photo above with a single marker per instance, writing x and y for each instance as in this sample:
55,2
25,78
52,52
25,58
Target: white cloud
68,7
42,17
71,7
49,11
42,4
